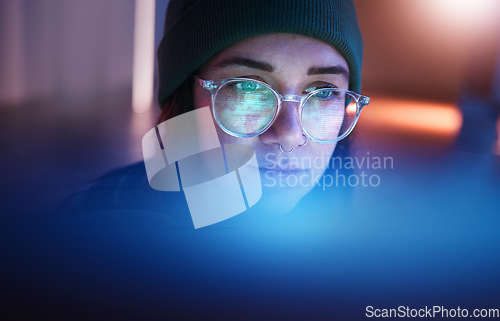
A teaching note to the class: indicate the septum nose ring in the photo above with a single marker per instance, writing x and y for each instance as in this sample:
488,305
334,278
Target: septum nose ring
291,150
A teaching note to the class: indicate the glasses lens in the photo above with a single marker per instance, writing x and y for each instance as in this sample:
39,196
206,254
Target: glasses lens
245,107
328,114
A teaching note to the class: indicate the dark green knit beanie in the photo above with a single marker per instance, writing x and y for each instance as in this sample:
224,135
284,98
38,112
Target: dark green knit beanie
196,30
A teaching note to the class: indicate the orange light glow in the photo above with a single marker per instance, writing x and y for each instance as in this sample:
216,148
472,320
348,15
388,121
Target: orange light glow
460,13
351,108
409,115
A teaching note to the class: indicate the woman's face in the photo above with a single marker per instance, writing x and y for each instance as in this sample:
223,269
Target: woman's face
291,64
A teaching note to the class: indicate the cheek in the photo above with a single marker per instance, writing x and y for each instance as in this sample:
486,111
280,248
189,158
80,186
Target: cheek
225,138
323,151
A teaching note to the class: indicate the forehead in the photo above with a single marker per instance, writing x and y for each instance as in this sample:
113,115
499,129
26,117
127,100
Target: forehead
285,52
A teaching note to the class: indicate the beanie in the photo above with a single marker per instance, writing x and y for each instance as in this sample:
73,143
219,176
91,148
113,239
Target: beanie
196,30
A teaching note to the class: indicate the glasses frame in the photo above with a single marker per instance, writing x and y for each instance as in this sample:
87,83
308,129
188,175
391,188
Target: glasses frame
215,85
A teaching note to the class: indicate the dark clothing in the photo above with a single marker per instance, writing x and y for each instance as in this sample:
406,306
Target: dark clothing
127,188
144,251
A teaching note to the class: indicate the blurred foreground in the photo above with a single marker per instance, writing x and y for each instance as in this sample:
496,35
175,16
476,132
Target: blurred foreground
424,233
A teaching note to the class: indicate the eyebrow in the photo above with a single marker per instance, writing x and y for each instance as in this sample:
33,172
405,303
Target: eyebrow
246,62
255,64
335,70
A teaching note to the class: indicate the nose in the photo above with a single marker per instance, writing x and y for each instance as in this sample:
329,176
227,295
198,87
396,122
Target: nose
286,130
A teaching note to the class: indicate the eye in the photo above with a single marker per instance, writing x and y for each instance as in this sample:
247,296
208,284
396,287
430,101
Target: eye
325,94
329,91
247,86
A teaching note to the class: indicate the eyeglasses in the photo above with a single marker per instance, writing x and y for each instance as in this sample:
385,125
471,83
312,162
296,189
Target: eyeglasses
247,108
